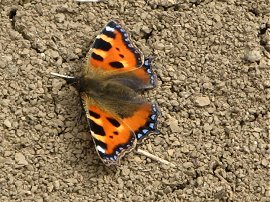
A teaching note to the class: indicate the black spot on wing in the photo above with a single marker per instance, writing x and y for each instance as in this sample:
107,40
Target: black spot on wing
97,129
108,33
116,64
117,49
97,57
116,133
113,122
102,44
122,56
94,114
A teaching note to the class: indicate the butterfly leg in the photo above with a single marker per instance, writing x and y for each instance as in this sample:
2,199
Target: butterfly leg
81,114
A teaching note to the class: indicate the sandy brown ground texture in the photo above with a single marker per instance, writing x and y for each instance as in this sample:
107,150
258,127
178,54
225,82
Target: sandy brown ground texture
212,62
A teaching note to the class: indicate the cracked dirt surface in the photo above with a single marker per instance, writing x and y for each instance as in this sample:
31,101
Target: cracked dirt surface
213,66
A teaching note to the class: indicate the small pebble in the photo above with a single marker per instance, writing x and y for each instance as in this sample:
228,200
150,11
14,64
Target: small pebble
170,152
187,165
56,184
125,171
202,101
173,123
20,159
253,56
59,17
7,123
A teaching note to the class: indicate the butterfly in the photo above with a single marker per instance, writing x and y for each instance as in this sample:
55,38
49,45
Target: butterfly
115,71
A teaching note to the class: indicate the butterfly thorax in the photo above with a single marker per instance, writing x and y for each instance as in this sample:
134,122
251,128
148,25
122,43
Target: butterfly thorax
111,94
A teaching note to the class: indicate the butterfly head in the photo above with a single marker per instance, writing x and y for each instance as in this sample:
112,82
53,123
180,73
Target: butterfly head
81,84
74,81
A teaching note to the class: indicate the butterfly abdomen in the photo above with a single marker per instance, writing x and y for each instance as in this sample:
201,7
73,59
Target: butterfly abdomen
90,86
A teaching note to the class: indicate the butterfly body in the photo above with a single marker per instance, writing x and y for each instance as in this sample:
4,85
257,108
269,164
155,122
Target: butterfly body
115,71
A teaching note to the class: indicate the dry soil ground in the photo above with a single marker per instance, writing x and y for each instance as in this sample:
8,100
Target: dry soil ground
212,61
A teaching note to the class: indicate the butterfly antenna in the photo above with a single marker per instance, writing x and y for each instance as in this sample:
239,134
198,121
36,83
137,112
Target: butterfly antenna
69,79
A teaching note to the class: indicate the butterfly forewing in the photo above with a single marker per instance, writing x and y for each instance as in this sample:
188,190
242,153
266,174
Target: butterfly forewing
113,50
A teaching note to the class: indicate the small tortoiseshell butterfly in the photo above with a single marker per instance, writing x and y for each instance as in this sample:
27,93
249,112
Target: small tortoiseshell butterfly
115,71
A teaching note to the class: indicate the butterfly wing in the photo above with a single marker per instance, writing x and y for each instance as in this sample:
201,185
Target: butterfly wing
114,135
138,79
146,75
148,114
114,53
113,50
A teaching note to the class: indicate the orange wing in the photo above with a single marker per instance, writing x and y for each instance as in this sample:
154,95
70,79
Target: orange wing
114,136
113,50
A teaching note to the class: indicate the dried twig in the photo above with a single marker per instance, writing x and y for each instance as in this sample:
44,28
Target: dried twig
151,156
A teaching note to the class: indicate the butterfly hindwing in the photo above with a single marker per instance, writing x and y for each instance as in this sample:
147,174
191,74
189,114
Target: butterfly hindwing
113,135
150,126
113,50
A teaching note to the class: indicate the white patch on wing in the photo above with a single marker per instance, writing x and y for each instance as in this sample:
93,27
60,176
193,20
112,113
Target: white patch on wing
139,135
144,131
100,149
109,29
151,125
146,63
